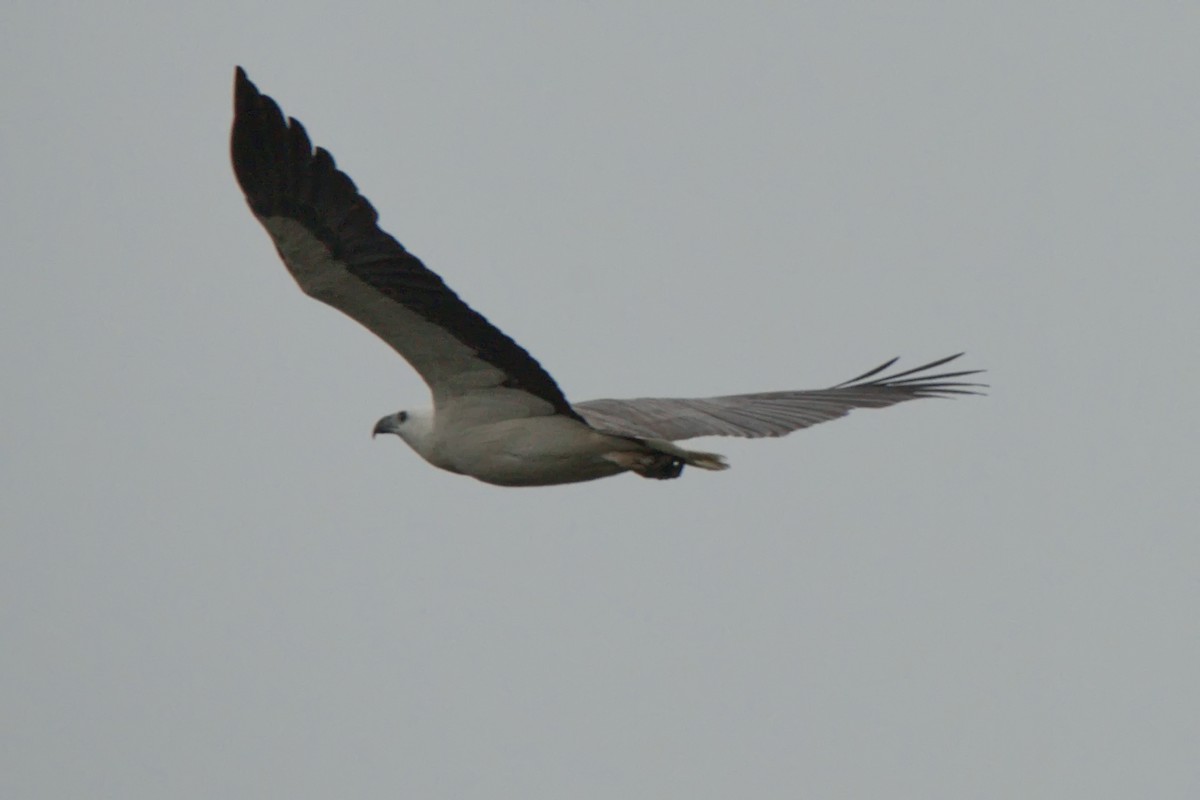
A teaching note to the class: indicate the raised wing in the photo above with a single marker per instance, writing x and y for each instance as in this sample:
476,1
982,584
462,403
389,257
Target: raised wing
770,413
327,235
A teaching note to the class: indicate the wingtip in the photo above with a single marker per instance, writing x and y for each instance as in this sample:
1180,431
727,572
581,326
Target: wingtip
916,381
248,101
244,92
241,79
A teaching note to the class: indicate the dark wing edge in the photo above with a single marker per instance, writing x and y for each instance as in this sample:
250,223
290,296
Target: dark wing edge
283,176
774,413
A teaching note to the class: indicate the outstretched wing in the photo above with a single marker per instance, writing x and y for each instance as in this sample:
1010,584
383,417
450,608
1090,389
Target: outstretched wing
326,233
770,413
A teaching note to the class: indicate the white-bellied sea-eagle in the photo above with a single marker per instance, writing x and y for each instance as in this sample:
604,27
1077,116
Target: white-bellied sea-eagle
496,414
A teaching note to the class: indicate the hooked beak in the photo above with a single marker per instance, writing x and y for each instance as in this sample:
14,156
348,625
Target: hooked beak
385,425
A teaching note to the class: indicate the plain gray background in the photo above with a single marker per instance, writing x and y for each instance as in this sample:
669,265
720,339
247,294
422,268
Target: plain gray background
214,584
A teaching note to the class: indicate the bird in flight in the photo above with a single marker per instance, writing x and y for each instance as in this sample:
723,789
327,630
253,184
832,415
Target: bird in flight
497,416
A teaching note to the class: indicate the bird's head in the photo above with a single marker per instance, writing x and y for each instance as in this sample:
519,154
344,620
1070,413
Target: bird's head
414,427
392,423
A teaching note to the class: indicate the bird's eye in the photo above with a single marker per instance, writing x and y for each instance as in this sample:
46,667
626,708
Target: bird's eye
402,416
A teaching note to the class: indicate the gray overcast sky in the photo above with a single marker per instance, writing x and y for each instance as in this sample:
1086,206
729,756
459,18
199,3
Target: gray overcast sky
214,584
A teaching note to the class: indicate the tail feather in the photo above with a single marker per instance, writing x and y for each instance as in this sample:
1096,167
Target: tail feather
662,460
693,458
713,461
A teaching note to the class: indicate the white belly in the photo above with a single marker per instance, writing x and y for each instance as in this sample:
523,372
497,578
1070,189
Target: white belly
537,451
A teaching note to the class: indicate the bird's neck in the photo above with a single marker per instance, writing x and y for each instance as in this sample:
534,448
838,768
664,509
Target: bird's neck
419,433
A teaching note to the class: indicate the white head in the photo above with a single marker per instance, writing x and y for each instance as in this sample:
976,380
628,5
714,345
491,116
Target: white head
414,427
